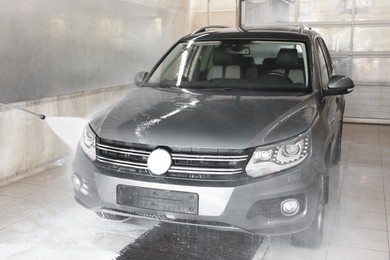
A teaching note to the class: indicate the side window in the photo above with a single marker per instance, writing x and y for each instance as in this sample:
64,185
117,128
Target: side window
323,66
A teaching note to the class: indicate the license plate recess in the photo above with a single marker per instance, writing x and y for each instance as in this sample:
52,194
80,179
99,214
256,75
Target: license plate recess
157,199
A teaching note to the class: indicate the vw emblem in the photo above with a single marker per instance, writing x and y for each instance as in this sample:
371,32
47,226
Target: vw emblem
159,161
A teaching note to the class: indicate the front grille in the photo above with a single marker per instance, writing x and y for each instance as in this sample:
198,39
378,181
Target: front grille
185,164
122,156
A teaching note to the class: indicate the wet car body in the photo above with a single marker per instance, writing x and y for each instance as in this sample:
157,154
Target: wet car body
226,145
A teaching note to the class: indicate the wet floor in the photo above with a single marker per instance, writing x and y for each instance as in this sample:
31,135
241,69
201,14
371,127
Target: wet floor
39,218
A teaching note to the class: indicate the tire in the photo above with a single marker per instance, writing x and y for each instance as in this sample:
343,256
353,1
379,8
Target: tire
325,198
337,152
110,216
312,236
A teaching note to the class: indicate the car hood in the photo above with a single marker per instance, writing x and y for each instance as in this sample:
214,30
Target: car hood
215,119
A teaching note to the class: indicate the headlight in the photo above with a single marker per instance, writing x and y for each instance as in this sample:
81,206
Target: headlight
87,142
271,159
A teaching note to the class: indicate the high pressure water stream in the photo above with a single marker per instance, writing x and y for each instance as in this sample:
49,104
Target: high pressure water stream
69,129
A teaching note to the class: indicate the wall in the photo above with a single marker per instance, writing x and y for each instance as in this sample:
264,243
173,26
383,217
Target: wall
55,47
212,12
63,57
28,144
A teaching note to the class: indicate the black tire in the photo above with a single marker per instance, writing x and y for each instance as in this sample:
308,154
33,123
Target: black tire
325,198
312,236
337,152
326,166
110,216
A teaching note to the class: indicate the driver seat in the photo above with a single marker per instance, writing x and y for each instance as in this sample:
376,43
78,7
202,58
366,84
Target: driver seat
224,67
287,64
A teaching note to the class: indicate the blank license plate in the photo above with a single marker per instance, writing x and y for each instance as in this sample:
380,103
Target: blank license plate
161,200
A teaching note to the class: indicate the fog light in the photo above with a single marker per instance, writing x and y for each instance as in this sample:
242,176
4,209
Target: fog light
290,207
76,182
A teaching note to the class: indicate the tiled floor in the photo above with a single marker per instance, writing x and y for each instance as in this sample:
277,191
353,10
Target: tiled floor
40,220
357,221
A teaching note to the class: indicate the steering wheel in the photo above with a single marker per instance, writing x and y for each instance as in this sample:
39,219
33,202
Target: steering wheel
279,74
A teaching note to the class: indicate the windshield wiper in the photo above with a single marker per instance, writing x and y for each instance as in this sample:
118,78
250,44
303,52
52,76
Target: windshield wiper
161,85
215,87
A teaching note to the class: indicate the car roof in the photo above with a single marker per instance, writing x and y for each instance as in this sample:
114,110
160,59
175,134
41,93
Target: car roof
295,33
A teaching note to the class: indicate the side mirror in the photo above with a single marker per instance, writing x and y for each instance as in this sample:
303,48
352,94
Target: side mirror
140,77
339,85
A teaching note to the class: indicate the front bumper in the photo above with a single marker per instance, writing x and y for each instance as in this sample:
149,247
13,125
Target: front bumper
253,206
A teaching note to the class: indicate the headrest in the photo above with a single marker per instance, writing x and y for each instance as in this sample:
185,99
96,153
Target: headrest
287,59
247,62
221,58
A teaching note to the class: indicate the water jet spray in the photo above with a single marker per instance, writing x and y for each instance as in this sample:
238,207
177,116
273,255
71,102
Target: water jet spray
68,129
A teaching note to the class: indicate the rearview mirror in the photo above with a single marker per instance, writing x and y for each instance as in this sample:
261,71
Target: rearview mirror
339,85
140,77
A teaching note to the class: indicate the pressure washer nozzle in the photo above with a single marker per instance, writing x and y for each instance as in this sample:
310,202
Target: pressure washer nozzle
40,116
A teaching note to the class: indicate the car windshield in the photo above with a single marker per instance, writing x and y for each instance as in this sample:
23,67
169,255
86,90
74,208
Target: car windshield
234,64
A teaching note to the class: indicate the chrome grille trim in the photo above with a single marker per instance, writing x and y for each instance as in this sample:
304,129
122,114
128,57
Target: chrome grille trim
216,171
122,150
122,163
216,158
217,164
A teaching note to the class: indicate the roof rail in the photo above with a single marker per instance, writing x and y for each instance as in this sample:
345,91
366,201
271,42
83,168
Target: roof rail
210,27
302,27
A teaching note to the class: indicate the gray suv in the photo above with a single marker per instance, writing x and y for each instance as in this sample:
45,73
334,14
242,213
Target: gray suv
232,128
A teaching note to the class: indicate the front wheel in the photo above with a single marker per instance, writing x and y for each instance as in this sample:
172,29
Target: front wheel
312,236
337,156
